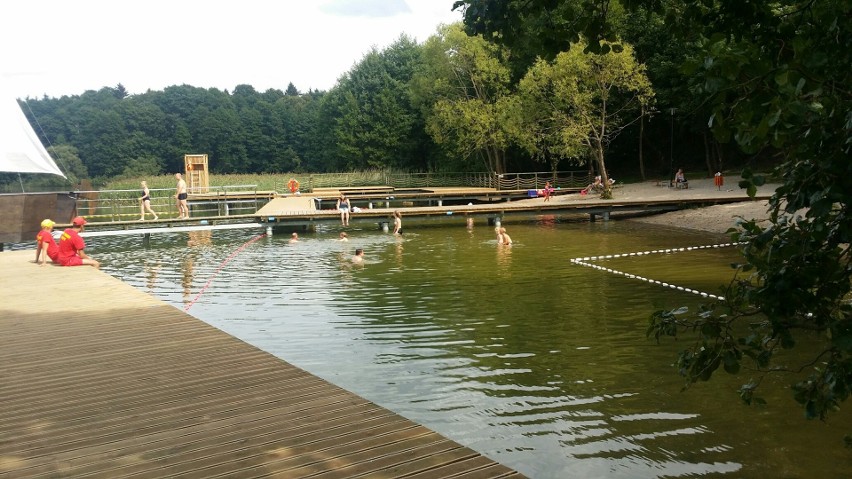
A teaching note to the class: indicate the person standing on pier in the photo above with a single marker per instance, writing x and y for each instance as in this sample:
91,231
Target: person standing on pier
343,206
46,247
145,202
71,245
180,196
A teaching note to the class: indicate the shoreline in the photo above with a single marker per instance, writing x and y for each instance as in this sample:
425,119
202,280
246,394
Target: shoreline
712,219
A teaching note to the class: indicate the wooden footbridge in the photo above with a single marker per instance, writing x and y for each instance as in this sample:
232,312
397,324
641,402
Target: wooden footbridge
100,380
375,205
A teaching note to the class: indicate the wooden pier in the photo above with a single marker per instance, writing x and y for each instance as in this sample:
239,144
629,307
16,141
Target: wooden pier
98,379
308,210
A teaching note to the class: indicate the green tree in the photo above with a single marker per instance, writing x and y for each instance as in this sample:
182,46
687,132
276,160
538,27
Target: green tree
467,82
580,102
291,90
771,74
69,162
375,123
775,76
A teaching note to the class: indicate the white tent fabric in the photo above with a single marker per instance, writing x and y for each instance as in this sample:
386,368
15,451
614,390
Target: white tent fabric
20,149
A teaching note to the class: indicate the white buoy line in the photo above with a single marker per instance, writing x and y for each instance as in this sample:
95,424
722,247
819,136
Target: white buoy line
586,261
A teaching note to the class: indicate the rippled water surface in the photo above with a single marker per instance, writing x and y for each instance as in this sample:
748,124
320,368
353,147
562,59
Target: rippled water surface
536,362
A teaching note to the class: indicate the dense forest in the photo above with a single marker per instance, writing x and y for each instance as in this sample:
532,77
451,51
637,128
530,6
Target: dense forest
455,102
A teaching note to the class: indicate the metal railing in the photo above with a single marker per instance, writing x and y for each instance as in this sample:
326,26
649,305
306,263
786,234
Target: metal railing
124,205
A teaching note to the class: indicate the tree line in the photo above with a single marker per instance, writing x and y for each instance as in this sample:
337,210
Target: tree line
456,102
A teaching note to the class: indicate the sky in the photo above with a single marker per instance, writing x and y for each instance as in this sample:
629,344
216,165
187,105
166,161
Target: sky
62,47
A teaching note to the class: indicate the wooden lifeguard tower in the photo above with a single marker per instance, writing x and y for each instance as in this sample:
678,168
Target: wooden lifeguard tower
197,181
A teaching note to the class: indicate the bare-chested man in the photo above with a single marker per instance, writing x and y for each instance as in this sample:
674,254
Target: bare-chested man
180,196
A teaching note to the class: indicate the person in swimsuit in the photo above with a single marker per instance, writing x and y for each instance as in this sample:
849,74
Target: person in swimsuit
397,223
145,202
504,237
180,196
294,238
359,256
343,206
343,236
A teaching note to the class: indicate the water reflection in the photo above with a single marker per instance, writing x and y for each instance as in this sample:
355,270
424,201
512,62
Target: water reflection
535,362
196,242
152,269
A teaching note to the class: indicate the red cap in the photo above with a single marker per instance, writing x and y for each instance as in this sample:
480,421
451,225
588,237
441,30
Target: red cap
78,221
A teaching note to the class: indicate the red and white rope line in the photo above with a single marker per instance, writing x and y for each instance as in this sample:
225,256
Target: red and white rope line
221,266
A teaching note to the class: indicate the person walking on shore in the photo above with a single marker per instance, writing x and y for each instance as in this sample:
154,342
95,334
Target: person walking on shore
145,202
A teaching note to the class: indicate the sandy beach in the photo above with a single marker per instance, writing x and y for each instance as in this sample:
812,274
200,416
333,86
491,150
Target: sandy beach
715,219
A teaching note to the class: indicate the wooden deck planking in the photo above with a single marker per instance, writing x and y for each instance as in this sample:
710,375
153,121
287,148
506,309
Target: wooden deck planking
98,379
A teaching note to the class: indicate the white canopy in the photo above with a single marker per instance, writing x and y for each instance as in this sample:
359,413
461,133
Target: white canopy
20,149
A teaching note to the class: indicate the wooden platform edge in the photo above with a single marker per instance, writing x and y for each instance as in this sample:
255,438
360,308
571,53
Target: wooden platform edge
101,379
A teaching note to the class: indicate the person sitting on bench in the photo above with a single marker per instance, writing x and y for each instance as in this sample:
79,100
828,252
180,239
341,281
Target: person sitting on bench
680,180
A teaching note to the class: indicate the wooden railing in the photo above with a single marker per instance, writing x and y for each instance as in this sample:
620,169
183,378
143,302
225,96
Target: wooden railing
507,181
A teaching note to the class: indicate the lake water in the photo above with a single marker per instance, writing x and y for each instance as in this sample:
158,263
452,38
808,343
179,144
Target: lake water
516,352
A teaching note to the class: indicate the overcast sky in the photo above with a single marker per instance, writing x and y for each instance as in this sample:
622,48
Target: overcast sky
65,47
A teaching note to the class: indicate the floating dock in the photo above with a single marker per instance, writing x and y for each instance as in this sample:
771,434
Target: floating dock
99,379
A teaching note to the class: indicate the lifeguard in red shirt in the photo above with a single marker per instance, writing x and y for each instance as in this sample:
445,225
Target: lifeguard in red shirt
71,246
46,245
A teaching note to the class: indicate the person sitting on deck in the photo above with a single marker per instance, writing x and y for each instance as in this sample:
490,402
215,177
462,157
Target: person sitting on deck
71,245
343,206
46,245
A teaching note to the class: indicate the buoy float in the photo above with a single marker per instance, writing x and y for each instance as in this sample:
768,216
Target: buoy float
293,185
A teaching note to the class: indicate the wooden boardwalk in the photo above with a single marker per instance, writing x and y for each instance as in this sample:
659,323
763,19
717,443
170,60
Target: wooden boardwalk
98,379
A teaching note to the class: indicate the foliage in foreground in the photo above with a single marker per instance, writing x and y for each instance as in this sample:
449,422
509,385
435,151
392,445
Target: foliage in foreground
775,78
779,88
